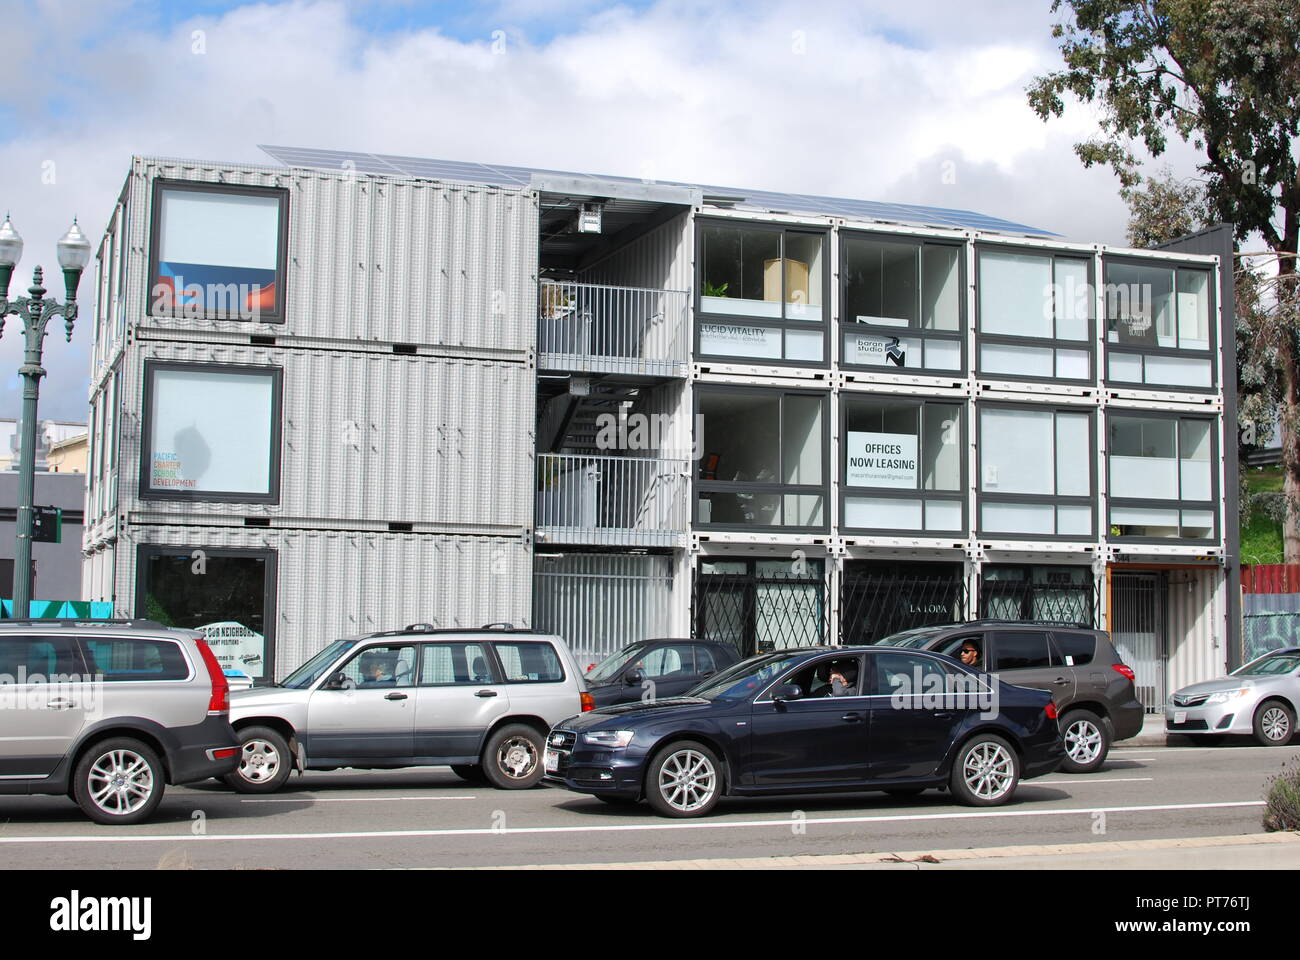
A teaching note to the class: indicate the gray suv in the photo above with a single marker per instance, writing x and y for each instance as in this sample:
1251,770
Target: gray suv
108,712
1091,687
479,701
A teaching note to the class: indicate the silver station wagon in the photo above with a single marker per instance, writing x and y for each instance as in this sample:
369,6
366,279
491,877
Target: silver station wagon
479,701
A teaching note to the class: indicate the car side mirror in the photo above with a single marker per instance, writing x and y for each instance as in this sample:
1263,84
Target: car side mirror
336,682
634,677
787,691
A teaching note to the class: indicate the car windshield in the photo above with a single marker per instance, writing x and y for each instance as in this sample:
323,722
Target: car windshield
744,679
310,671
612,665
1274,666
908,638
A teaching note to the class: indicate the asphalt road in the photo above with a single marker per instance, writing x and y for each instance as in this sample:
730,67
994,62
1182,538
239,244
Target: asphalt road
430,818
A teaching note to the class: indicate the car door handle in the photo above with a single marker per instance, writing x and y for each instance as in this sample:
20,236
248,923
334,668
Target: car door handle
60,704
851,717
395,696
945,715
1061,681
486,693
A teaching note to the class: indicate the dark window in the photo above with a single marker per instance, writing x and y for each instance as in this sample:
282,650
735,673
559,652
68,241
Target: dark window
135,658
1022,650
529,662
446,664
382,667
704,660
905,673
1077,648
672,661
36,659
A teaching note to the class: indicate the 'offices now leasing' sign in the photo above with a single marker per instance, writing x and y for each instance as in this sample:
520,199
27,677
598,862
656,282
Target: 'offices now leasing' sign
881,460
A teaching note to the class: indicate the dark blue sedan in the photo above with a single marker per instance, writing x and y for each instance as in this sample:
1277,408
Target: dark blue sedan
814,720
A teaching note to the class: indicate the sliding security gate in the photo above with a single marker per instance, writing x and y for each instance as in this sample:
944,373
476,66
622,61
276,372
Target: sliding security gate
760,605
877,600
1138,631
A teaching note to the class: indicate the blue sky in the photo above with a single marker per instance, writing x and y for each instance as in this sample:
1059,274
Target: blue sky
920,103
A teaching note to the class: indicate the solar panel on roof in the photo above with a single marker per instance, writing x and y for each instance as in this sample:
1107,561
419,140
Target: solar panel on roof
506,175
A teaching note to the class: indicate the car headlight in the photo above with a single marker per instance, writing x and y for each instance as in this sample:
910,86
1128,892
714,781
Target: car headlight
1223,696
608,738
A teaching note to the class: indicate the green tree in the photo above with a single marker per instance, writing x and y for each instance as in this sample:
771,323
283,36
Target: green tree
1223,76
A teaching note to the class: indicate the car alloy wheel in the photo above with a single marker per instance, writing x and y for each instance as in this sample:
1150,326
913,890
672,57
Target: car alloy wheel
687,781
1083,741
517,757
989,771
1275,724
120,782
260,761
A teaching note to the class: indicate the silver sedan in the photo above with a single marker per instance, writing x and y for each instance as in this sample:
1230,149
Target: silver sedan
1258,699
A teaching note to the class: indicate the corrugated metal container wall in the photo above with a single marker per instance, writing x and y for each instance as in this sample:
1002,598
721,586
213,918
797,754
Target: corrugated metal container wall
1196,627
600,602
376,437
395,260
660,260
333,584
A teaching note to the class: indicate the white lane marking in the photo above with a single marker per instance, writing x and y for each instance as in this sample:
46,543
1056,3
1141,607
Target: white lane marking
629,827
342,799
1082,780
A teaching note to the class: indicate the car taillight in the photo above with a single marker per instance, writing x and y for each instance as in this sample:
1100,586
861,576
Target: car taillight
588,702
219,702
1125,669
1051,711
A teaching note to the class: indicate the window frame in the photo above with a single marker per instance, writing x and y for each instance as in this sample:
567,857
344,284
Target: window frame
1211,353
276,452
781,489
846,324
960,495
1055,500
161,184
1089,344
783,323
1214,504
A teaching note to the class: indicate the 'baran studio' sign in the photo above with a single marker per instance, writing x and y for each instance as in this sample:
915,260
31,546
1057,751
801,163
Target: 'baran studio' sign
881,460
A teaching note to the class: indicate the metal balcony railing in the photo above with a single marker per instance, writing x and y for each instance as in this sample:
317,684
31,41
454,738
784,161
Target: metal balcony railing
596,328
622,501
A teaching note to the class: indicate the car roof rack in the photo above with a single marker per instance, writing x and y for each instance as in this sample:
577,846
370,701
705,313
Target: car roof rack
128,622
995,621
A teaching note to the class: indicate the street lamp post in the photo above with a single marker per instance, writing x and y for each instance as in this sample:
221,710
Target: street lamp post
36,312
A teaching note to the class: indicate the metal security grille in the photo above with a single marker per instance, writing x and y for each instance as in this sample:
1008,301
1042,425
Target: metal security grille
1138,632
1051,602
876,605
758,611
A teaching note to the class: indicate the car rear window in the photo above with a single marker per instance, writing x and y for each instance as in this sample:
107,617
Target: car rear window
1077,648
529,662
136,658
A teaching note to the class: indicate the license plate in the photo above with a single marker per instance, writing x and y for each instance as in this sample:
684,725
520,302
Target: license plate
552,761
1180,716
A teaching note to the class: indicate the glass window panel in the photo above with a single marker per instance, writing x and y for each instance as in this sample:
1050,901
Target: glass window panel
529,662
1073,299
881,350
881,281
802,438
1194,309
1016,451
1144,516
941,288
1073,365
803,275
211,431
883,513
1142,460
1139,304
803,511
943,354
453,663
734,272
742,431
1016,361
1074,521
804,345
1015,294
1177,371
741,509
121,659
881,444
1194,459
1125,367
1198,524
941,447
1073,455
741,340
942,515
1028,518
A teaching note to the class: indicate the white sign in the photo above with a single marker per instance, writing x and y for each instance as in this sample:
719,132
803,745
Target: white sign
236,646
876,351
881,460
735,340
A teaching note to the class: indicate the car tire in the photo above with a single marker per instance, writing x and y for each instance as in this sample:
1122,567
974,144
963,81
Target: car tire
684,780
512,759
1087,741
265,761
985,772
470,773
119,781
1274,724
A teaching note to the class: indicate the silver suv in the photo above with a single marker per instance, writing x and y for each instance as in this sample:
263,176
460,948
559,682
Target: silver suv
108,712
479,701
